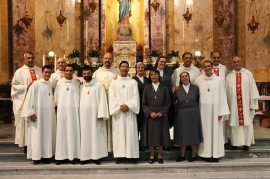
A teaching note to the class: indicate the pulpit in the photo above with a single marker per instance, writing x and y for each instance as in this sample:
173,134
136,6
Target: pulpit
124,51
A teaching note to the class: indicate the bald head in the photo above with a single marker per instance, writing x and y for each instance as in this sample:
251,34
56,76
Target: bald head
61,63
236,63
107,60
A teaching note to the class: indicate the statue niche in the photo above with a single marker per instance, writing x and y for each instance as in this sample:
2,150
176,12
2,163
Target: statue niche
124,29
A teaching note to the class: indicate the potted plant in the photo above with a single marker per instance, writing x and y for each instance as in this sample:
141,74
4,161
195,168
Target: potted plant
74,54
174,56
154,55
76,67
94,55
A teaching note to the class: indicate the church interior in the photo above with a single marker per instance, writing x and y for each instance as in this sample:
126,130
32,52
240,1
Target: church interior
81,29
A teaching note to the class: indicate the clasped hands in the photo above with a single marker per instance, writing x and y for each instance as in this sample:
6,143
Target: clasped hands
155,115
124,108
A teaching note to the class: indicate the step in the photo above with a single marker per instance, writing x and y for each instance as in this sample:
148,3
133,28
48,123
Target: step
109,167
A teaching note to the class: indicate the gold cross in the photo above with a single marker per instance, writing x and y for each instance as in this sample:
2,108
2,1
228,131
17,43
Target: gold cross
123,86
88,92
67,89
208,89
49,94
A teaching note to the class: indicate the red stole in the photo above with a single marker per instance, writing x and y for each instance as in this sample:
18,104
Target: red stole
33,75
239,99
216,71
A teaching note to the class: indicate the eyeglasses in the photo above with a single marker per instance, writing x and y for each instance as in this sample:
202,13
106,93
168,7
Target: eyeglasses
216,57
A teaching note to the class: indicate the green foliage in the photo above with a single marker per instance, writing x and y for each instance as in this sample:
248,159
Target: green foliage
74,53
175,65
76,66
93,53
155,53
173,54
148,66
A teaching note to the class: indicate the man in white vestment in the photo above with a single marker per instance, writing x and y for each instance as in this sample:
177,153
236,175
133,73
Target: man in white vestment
39,109
105,75
93,113
124,104
59,73
243,98
193,71
221,71
213,106
68,125
23,78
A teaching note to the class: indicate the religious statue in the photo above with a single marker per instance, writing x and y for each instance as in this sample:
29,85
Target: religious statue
124,29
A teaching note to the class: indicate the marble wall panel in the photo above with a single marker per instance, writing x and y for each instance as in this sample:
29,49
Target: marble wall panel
146,24
227,33
198,35
158,28
92,21
4,56
49,35
20,32
258,51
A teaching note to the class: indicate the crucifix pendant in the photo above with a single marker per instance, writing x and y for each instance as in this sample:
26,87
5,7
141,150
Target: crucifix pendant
187,101
88,92
155,97
49,94
67,89
208,89
123,86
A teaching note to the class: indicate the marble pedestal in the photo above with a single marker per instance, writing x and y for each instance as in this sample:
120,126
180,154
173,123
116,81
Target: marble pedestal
124,51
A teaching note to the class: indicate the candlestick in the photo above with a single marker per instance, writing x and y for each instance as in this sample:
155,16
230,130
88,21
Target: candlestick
183,31
86,32
67,31
64,56
55,63
43,60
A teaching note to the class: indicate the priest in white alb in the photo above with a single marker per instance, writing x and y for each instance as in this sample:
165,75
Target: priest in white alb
105,75
38,108
243,98
23,78
193,71
124,104
213,106
221,71
93,115
68,125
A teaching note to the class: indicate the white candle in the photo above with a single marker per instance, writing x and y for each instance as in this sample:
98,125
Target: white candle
183,30
55,63
64,56
163,38
67,31
86,32
43,60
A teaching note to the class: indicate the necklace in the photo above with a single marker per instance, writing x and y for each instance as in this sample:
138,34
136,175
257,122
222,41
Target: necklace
124,83
88,90
67,85
155,91
208,89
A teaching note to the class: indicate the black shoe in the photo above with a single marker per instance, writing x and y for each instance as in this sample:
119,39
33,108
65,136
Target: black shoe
133,160
46,160
58,162
192,159
73,162
246,148
216,160
151,160
142,149
97,162
36,162
209,160
180,159
83,162
160,161
25,149
166,148
119,160
234,148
